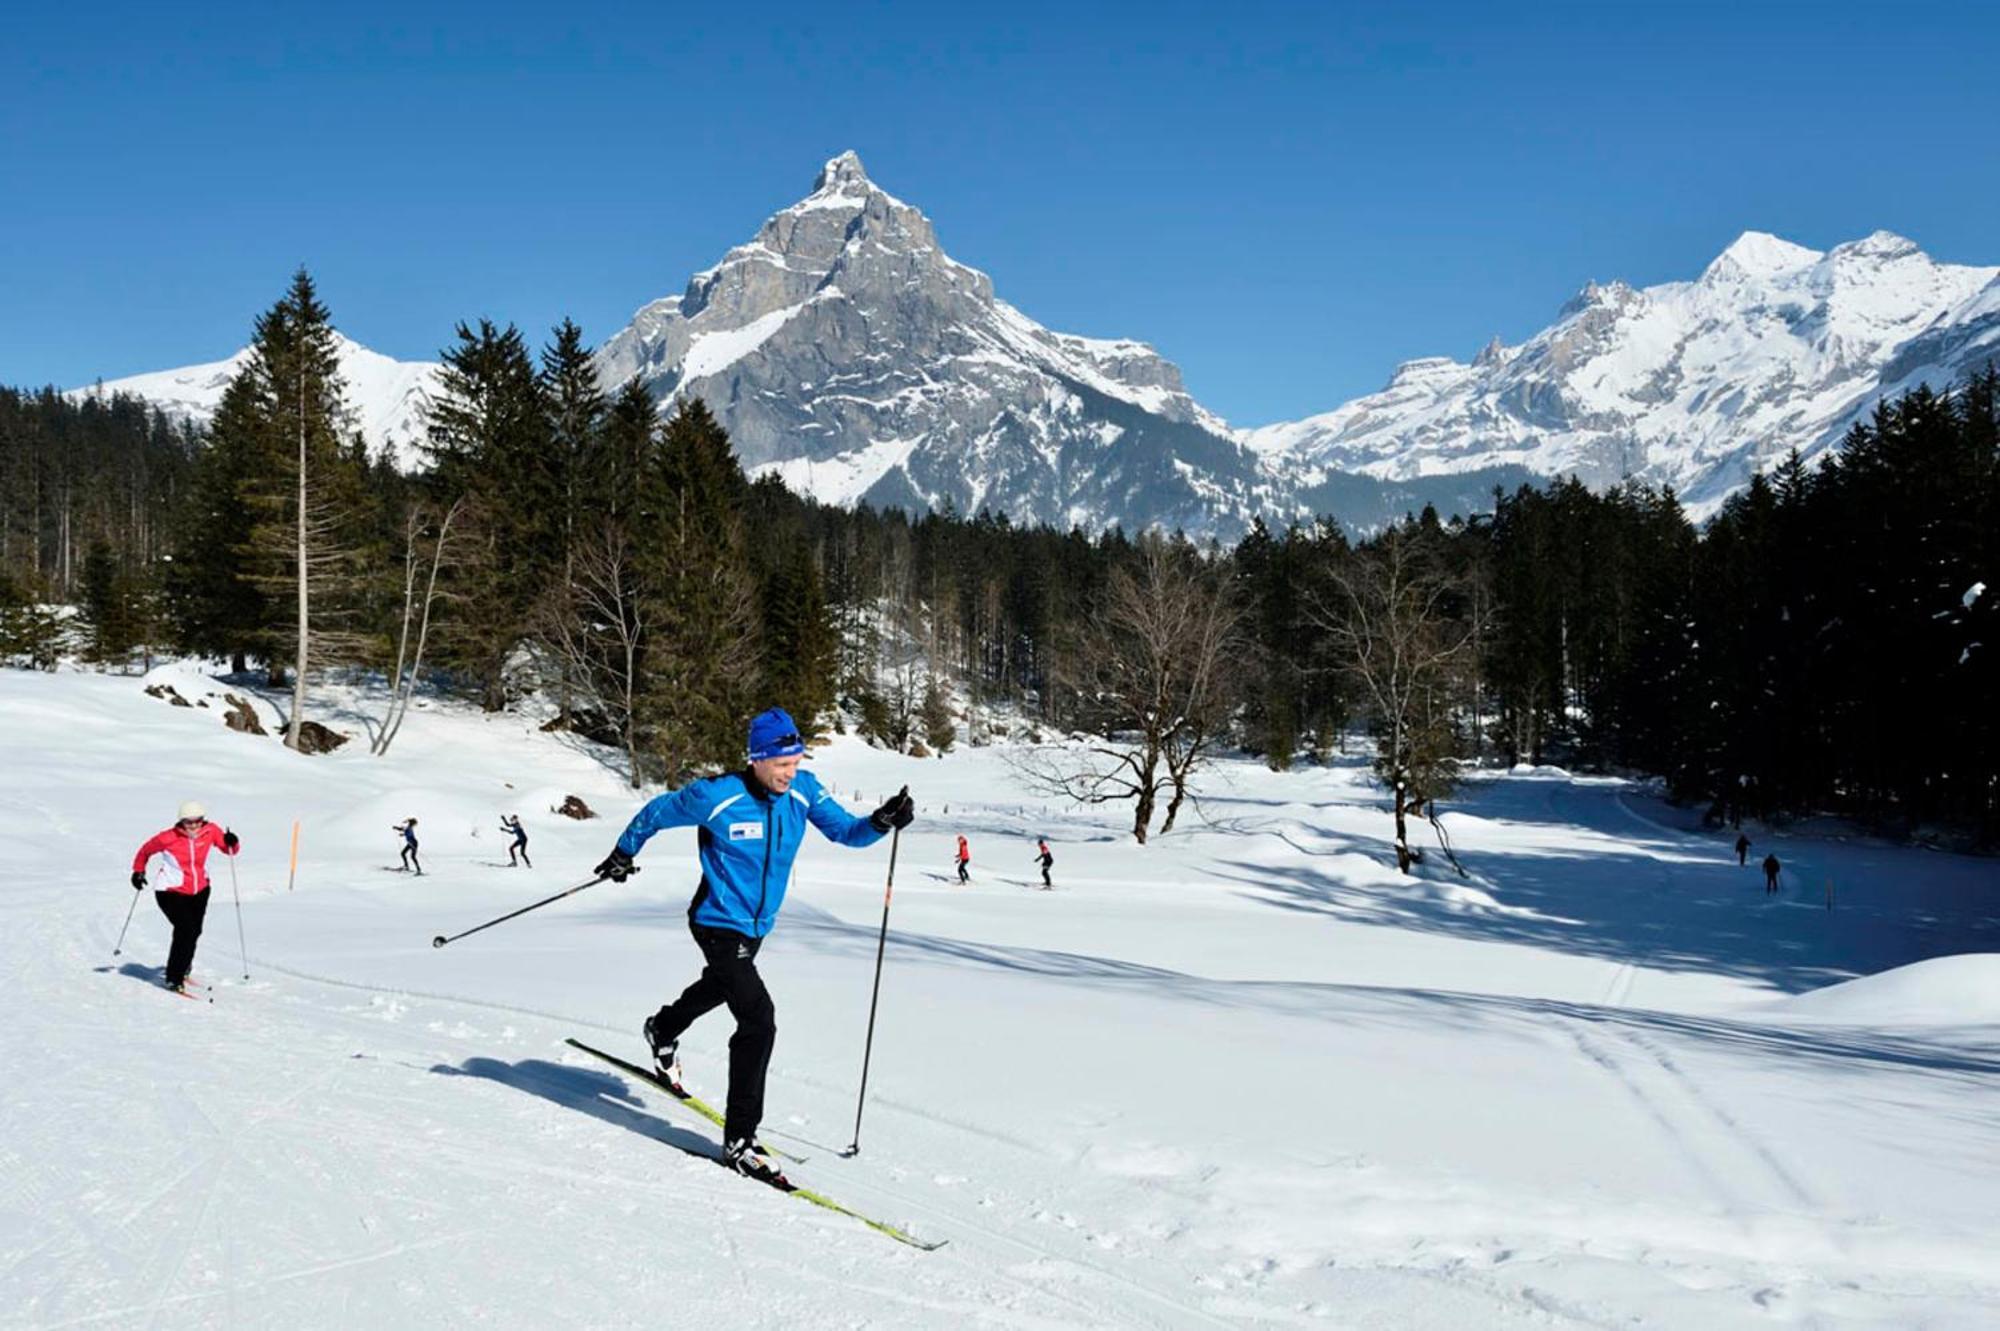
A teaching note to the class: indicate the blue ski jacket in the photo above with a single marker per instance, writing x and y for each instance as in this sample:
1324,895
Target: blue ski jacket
748,839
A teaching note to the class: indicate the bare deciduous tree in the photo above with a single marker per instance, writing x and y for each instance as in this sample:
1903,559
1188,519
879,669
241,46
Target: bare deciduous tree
417,567
1397,626
1150,672
596,624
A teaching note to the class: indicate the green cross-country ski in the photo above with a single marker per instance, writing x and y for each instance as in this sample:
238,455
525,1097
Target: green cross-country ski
694,1102
805,1194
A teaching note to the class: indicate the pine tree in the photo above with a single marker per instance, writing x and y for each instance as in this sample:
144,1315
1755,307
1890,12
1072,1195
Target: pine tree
488,437
701,660
305,497
799,641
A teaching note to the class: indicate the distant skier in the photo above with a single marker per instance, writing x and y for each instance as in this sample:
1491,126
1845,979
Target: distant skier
511,823
750,825
1742,849
409,830
1770,875
964,860
179,859
1046,859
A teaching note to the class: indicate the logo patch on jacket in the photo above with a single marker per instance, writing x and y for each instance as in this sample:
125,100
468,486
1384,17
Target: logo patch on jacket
746,831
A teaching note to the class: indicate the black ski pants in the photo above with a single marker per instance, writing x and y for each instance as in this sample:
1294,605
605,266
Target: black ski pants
185,911
410,856
730,977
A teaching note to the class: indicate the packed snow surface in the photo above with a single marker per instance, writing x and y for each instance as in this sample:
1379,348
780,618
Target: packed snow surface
1243,1076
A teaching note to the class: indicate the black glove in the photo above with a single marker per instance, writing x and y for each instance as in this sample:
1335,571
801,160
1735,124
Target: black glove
617,866
896,811
230,842
138,880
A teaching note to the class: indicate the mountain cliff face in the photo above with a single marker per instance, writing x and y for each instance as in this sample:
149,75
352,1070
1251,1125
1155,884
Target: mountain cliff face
1695,384
847,352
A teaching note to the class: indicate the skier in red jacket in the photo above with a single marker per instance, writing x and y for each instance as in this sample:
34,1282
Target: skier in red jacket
179,859
964,860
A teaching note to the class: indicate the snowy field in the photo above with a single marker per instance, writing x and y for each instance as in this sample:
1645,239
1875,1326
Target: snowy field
1245,1076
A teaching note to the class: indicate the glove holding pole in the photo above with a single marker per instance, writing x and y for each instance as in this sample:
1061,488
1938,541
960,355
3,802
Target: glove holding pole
894,815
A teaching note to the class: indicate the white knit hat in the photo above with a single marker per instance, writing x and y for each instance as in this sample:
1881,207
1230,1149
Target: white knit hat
192,809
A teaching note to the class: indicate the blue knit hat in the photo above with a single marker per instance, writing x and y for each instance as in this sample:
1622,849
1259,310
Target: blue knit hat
774,734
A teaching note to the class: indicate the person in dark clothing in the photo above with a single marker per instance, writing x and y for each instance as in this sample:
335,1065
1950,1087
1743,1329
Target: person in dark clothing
1770,875
1047,860
750,824
964,861
409,831
178,857
512,824
1742,849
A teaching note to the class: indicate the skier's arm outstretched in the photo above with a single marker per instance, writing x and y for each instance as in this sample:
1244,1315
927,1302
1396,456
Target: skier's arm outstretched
677,808
853,829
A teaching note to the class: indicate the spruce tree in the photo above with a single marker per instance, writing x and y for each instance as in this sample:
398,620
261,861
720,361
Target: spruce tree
702,660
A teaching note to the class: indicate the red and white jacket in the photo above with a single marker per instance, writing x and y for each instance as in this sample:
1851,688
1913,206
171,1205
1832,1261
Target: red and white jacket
177,861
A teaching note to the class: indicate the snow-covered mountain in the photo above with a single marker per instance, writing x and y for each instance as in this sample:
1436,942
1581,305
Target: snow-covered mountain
847,352
1698,384
385,394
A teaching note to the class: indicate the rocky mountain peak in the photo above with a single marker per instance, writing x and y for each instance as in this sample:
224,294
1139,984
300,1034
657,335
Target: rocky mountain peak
841,172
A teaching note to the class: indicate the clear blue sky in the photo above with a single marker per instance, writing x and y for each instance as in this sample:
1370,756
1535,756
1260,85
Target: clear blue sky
1286,200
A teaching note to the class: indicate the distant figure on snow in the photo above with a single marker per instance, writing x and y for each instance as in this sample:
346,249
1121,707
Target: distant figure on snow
1742,849
179,856
1770,875
1046,859
409,831
964,860
511,823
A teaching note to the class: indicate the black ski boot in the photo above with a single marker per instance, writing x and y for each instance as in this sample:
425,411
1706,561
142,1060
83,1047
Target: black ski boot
751,1161
666,1058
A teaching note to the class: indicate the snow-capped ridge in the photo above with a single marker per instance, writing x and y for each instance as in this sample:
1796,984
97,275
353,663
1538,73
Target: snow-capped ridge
385,396
1695,384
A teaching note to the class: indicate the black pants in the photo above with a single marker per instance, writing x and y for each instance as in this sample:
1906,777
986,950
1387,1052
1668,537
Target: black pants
410,856
185,911
730,977
1045,877
522,846
963,870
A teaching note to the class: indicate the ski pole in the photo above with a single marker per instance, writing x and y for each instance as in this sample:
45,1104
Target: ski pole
441,939
241,949
881,942
118,948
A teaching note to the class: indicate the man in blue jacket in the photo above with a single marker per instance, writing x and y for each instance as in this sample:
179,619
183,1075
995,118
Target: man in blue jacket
750,826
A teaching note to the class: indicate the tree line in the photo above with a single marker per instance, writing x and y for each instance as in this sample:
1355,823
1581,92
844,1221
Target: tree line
1824,643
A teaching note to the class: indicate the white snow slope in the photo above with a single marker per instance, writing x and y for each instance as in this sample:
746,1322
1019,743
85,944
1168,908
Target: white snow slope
1245,1076
385,395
